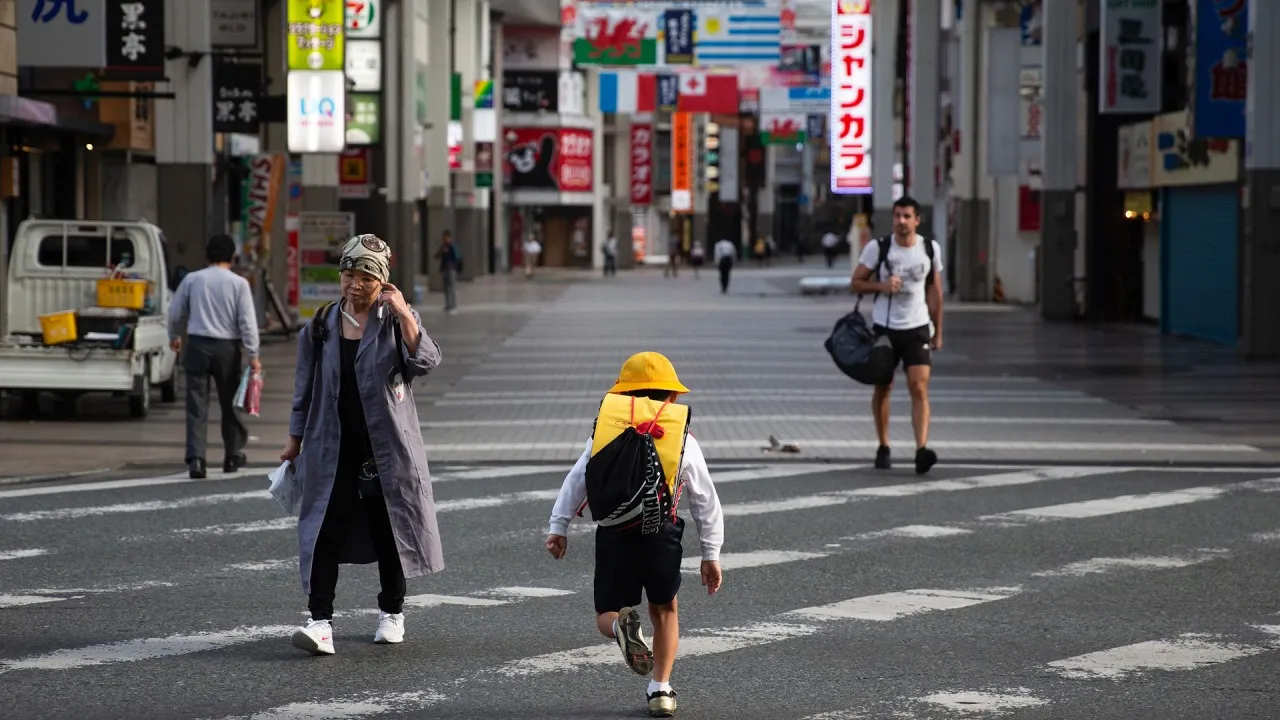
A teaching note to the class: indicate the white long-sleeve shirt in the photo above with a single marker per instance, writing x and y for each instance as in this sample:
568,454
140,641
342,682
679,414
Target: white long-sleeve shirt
704,502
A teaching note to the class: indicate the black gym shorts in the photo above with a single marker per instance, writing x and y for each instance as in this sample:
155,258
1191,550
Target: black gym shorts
628,562
910,347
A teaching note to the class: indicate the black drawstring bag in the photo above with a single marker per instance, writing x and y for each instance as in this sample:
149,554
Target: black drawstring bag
626,485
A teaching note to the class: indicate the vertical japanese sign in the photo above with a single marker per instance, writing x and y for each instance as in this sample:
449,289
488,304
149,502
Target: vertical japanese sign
641,164
681,163
135,39
237,88
1221,68
851,97
677,30
1132,39
315,34
668,93
62,33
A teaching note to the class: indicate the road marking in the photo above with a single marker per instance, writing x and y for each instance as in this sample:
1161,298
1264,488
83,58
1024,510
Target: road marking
7,601
175,479
487,473
572,448
266,565
985,702
144,649
1103,565
843,419
940,384
721,640
1189,651
349,708
148,506
912,531
937,397
888,607
980,482
24,553
285,523
756,558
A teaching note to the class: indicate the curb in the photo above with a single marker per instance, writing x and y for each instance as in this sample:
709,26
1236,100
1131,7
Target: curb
27,479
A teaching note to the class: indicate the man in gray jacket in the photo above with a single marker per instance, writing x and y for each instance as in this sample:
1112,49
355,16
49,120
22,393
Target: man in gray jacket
214,306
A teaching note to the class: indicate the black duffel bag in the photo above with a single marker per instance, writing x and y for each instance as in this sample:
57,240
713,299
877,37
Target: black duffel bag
859,353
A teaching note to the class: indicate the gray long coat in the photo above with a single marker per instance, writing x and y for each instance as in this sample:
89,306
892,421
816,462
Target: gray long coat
394,430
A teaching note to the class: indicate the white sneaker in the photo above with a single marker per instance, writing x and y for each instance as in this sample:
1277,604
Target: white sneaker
390,628
316,638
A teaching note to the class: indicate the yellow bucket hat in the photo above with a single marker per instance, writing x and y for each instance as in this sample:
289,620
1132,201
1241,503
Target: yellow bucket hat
648,371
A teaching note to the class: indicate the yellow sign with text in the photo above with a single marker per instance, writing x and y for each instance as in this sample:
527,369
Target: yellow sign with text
315,34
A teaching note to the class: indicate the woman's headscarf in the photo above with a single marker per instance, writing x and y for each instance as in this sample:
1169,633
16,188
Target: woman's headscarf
367,253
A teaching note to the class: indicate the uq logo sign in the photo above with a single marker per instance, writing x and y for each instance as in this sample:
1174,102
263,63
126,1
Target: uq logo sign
317,116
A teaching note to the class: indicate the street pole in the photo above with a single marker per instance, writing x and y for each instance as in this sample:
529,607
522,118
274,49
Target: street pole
1261,193
1058,197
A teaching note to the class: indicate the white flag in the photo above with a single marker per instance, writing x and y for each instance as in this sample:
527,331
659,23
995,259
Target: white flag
693,84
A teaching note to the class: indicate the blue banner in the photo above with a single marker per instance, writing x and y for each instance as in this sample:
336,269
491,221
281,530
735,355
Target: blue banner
816,127
1222,74
668,92
677,29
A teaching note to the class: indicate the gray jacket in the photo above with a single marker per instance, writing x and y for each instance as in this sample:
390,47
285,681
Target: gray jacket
394,430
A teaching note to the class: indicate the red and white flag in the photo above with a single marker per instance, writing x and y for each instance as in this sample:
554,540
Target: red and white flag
703,93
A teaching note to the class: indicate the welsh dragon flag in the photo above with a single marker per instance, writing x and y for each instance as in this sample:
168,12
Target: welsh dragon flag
615,36
782,128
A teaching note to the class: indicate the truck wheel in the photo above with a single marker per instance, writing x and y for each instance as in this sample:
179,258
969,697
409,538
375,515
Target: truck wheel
169,388
140,400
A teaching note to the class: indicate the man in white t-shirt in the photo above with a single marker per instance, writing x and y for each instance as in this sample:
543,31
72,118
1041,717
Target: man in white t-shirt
907,283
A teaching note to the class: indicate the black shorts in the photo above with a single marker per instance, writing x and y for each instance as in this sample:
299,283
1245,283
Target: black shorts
628,562
910,347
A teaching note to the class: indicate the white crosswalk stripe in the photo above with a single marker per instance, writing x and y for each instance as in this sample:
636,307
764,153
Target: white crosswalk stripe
810,534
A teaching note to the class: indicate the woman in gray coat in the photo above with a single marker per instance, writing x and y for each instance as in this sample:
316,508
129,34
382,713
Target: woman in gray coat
357,445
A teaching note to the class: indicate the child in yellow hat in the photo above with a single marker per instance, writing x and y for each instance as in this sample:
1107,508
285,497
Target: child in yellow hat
639,460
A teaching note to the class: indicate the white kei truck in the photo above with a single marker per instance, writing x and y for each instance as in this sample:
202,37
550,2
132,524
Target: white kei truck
55,267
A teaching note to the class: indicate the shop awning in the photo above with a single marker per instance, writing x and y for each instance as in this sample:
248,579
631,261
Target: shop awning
17,110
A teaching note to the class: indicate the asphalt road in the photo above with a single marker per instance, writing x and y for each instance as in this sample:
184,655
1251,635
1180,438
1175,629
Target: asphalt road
1021,592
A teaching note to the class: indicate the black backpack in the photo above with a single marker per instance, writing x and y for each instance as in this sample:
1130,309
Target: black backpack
885,243
320,333
627,485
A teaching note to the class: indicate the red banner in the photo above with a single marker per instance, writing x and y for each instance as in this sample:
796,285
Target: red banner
641,164
549,159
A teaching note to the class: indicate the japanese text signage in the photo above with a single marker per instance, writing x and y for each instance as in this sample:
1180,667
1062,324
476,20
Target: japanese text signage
1221,68
668,93
237,88
682,162
677,27
317,111
1132,40
135,39
364,65
315,34
850,135
62,33
530,91
549,159
234,23
641,164
364,126
575,172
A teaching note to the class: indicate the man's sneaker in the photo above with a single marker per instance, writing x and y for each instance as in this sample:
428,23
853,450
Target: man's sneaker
631,639
316,638
925,459
390,628
662,703
882,458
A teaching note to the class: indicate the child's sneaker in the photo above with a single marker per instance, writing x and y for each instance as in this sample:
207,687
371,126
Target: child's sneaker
631,639
390,628
316,638
662,703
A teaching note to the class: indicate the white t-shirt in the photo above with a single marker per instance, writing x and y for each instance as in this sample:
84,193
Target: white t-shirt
908,308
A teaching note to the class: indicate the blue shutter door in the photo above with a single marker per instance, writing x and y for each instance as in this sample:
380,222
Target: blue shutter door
1198,246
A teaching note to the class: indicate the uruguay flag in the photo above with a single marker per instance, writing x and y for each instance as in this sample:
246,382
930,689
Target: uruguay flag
628,92
737,37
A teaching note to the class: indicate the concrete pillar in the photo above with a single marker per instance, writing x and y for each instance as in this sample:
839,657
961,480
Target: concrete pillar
884,129
399,131
470,215
184,136
1260,259
602,216
923,73
498,222
621,190
1060,147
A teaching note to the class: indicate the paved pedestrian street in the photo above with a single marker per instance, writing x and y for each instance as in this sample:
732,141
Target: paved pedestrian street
1099,538
1047,591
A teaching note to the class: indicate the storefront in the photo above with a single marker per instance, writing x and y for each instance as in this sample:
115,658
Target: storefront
550,184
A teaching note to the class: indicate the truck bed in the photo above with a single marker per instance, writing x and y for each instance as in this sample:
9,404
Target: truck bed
26,364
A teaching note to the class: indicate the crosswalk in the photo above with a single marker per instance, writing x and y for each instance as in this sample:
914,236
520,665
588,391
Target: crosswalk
977,591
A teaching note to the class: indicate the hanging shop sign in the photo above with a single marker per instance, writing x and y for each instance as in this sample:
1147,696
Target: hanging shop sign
315,34
641,164
851,33
237,89
527,91
233,23
317,111
549,159
135,39
364,65
364,122
364,18
1221,68
1131,43
62,34
682,163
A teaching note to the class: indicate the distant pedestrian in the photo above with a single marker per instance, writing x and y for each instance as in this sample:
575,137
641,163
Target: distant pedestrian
829,243
724,252
610,250
532,249
362,501
696,257
641,432
214,308
672,268
450,266
904,270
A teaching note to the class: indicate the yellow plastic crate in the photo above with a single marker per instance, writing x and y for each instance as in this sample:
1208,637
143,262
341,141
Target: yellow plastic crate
128,294
59,327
